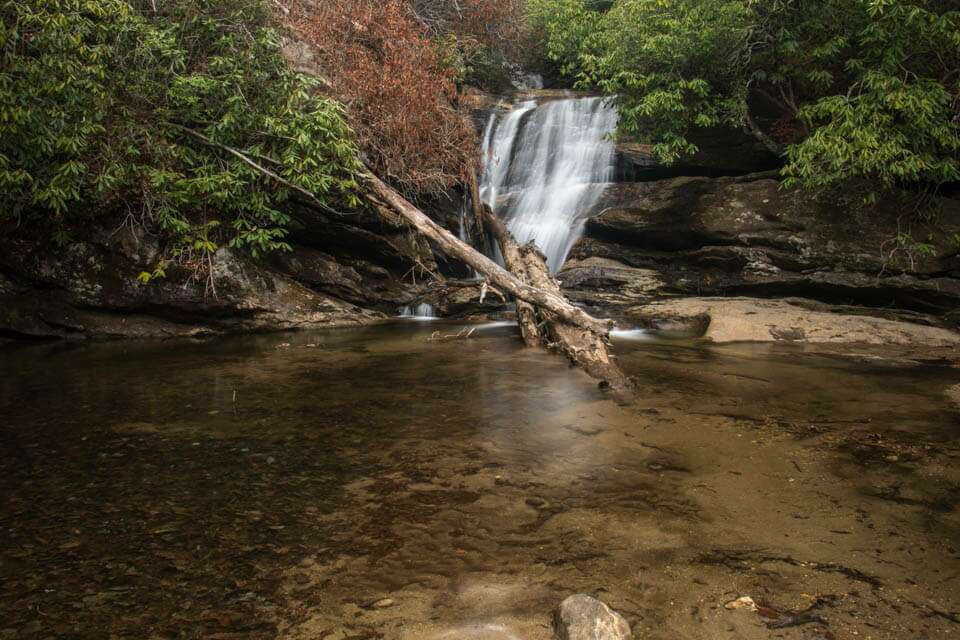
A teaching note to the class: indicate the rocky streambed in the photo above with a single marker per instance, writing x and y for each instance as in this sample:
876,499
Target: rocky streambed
373,483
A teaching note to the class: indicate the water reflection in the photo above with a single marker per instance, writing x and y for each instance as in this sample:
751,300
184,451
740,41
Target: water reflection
296,481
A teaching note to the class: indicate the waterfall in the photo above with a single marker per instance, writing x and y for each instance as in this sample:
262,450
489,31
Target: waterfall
546,166
421,311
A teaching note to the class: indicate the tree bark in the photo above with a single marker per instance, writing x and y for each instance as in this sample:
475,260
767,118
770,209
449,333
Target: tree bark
476,206
552,301
540,302
526,314
585,348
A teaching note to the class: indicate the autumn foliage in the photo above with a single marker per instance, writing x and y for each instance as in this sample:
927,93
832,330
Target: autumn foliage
497,24
399,88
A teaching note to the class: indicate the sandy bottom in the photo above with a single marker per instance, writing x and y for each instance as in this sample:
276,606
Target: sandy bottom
370,484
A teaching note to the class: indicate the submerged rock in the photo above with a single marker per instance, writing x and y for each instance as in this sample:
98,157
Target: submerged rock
743,602
581,617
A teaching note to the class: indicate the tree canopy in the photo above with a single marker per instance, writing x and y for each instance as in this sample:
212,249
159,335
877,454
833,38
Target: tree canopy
184,117
846,89
163,112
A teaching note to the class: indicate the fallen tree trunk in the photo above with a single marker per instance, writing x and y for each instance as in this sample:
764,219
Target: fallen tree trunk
578,334
552,301
584,347
526,314
540,302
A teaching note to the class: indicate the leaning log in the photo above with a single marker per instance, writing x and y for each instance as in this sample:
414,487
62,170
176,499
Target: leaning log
552,301
526,313
585,348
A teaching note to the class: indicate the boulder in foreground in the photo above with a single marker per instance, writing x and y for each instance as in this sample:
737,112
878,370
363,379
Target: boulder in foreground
581,617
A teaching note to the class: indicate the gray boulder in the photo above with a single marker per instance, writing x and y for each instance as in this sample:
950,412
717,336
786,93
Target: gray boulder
581,617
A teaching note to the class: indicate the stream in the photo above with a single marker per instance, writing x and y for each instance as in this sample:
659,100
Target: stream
372,483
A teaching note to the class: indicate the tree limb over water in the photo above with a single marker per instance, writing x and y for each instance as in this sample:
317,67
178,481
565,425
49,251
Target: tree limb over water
546,317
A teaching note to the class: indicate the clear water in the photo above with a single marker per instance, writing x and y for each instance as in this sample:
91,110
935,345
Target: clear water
373,483
546,166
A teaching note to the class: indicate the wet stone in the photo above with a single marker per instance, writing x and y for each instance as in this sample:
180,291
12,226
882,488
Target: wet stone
581,617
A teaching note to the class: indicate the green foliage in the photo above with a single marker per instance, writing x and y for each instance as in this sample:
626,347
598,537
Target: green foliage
565,28
676,66
850,89
890,110
98,99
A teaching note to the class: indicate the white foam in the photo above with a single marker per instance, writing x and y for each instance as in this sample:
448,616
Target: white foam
631,334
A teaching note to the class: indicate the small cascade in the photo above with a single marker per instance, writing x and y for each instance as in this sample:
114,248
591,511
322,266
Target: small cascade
419,312
545,168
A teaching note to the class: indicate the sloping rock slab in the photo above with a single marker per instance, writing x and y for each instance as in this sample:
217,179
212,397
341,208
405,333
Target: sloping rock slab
759,320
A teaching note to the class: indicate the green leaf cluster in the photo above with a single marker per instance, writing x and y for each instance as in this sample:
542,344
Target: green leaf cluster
863,90
102,101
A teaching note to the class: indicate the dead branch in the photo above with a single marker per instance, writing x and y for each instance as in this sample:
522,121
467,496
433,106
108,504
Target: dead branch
552,301
249,161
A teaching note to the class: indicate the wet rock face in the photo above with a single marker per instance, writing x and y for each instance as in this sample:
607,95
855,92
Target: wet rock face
746,236
721,152
90,289
581,617
354,279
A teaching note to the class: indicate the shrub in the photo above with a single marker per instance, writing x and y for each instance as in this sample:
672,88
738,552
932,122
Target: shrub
108,107
399,86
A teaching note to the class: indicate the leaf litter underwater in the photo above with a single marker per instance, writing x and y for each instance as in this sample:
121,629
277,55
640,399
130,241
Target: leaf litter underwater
375,484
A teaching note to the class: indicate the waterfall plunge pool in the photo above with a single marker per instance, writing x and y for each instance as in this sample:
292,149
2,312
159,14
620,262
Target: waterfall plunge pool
368,483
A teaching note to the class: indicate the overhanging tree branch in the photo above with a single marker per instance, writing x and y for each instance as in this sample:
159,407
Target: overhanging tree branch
250,162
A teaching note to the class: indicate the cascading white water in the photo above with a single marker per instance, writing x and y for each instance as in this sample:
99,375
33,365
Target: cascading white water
421,311
545,168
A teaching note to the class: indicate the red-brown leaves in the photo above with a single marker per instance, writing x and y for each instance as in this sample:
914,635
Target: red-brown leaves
400,96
